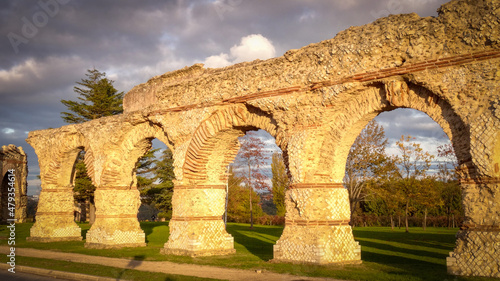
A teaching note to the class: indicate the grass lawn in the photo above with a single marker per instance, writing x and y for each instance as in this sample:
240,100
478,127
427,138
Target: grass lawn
386,254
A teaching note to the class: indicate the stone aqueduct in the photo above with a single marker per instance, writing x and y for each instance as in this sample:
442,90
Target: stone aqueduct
314,101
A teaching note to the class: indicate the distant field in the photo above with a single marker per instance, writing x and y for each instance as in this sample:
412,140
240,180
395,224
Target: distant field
386,254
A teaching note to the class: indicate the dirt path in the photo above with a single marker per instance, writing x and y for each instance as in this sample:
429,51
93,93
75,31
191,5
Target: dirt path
162,266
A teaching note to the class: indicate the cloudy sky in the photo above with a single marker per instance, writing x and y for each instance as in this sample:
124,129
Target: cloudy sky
47,45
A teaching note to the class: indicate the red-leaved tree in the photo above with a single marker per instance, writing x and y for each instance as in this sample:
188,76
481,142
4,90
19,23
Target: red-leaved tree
250,160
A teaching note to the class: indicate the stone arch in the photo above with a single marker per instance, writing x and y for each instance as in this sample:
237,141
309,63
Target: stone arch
387,96
59,170
215,142
198,199
57,156
117,199
119,169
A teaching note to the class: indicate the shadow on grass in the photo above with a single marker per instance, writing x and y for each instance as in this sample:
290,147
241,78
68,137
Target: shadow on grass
84,233
255,240
148,227
407,266
419,254
443,241
401,251
135,262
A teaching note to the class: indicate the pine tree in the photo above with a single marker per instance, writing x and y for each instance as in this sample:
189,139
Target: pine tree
144,169
98,98
158,189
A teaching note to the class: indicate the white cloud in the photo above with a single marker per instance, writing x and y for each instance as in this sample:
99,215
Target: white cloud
8,131
251,47
217,61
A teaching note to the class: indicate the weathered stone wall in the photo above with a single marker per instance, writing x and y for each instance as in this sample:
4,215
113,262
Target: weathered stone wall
314,101
13,165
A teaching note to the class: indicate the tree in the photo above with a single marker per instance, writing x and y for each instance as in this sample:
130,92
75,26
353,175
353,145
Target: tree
367,160
232,181
252,157
159,192
238,203
413,164
144,168
98,98
451,194
83,189
280,182
447,173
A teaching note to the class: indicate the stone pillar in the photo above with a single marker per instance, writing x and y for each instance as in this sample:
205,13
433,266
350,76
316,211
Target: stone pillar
197,227
317,226
477,250
14,159
54,217
116,223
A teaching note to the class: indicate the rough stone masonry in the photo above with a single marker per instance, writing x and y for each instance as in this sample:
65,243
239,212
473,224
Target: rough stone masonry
314,101
13,173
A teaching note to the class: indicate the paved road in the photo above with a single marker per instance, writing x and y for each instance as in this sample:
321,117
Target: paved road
21,276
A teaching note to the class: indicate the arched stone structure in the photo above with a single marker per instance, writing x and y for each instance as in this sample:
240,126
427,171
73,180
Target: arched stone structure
314,101
199,196
57,154
116,197
13,174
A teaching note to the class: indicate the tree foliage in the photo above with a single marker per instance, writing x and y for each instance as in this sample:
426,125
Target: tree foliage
238,203
413,164
144,169
450,192
97,98
157,188
280,182
250,159
401,186
83,187
366,161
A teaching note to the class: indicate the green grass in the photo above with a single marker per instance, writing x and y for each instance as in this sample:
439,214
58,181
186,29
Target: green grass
386,254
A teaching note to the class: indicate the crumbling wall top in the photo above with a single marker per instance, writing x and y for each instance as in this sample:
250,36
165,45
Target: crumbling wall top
462,26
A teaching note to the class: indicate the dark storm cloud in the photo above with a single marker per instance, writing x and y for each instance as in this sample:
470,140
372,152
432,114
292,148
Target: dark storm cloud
47,45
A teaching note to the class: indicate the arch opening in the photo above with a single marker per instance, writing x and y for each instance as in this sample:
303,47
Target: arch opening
379,98
81,185
4,197
379,160
153,174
